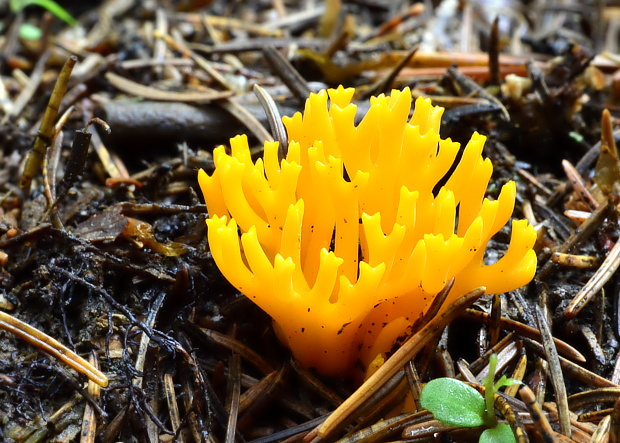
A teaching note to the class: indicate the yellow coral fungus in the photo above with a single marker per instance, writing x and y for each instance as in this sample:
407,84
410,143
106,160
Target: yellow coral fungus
346,241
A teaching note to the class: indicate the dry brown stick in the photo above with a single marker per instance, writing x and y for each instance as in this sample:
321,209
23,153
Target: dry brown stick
579,428
592,339
481,362
424,431
405,353
608,140
388,397
50,167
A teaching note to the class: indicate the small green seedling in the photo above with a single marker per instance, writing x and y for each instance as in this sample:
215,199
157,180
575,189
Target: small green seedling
458,404
31,32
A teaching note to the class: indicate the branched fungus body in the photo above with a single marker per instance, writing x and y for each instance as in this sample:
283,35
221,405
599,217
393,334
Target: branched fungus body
346,241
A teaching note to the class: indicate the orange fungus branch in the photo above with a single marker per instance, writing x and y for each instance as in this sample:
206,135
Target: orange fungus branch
344,243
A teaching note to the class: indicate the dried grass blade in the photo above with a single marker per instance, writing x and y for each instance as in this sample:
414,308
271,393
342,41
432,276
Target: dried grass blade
28,91
239,348
275,120
145,340
52,347
387,427
526,331
106,159
536,413
312,382
384,84
555,372
136,89
233,397
614,425
579,184
513,419
287,73
517,374
595,284
245,117
89,420
580,373
495,317
602,431
415,384
171,401
46,130
594,396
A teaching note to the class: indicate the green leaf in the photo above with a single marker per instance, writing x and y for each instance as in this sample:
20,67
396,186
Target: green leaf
576,136
489,393
50,5
502,433
15,5
30,32
453,402
504,381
